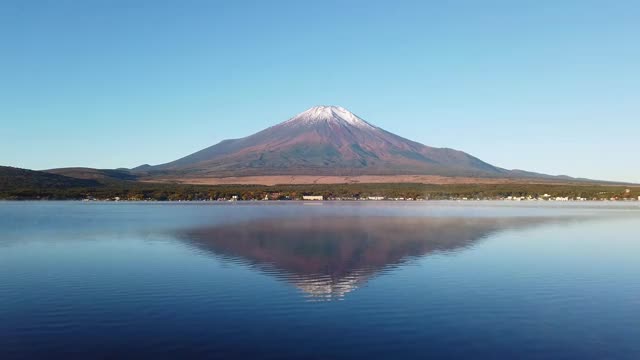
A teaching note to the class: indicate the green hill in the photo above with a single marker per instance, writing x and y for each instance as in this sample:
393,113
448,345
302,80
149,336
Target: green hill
94,174
22,183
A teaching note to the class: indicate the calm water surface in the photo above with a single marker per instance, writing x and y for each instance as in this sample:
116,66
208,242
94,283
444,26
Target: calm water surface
328,281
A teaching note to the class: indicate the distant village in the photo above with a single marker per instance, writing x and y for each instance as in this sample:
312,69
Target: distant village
277,196
20,184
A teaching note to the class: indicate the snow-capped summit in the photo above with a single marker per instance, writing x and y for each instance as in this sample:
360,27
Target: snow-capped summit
324,113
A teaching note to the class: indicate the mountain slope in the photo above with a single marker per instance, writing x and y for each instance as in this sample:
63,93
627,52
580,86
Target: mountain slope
325,140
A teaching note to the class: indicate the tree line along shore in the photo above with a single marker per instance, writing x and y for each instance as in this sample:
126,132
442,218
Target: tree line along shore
137,191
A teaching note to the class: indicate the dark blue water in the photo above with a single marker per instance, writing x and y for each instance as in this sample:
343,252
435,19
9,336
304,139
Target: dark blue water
331,281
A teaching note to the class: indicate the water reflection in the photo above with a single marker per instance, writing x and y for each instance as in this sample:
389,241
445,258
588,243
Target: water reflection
328,257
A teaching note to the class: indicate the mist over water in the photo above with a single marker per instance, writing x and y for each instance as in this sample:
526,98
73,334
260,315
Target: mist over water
350,280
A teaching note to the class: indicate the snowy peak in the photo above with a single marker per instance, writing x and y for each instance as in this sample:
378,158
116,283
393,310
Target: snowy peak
335,114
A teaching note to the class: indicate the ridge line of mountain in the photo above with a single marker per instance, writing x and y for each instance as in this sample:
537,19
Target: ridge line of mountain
329,141
323,141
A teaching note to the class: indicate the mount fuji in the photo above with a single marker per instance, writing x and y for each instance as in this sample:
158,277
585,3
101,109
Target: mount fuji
326,141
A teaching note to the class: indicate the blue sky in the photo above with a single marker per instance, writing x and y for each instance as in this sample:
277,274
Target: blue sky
547,86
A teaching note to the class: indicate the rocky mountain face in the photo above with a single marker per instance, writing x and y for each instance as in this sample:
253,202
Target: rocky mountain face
325,140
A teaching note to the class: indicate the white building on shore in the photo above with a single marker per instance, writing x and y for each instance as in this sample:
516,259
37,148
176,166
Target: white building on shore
312,198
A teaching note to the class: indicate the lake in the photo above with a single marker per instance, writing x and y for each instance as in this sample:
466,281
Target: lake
337,280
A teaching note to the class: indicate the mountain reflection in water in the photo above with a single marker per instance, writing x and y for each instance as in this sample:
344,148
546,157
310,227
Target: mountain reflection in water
327,257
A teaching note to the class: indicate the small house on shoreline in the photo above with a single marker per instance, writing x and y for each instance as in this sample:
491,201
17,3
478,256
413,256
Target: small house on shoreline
312,198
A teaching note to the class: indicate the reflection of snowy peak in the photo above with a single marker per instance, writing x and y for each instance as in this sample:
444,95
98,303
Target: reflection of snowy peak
327,288
328,257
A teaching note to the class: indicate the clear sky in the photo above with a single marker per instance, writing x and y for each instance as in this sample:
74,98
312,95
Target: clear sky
547,86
